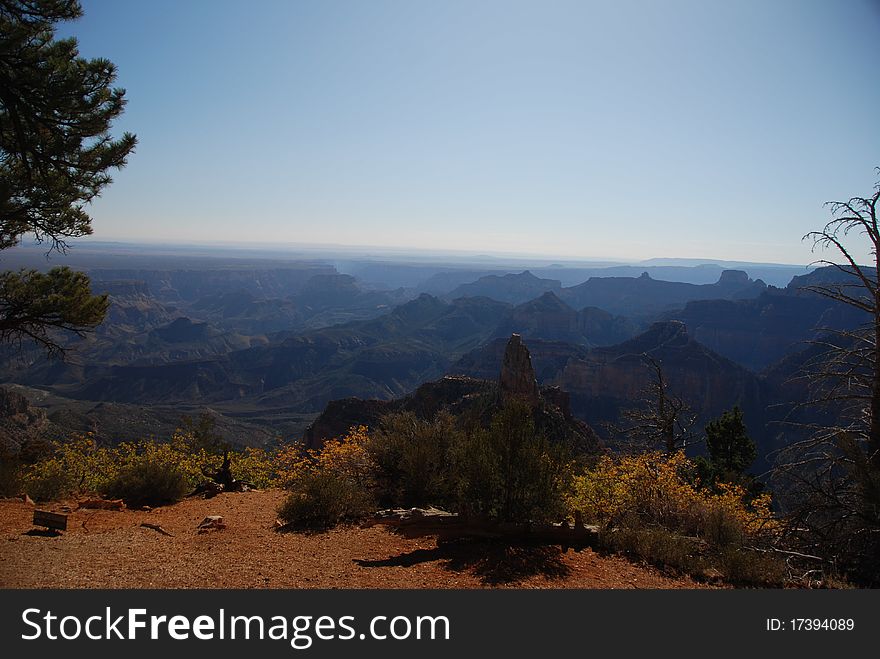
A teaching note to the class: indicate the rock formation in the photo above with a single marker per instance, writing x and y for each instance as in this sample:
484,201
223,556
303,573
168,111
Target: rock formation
517,375
469,400
20,422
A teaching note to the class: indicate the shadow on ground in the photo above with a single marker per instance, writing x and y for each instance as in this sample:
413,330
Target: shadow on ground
494,563
43,533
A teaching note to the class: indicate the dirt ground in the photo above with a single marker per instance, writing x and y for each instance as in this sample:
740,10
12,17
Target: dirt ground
110,549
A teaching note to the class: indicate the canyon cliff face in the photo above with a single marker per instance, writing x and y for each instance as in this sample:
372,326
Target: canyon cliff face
759,332
181,285
21,423
608,380
279,344
546,317
449,393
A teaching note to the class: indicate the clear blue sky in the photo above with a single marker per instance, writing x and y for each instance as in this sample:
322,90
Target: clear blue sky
691,128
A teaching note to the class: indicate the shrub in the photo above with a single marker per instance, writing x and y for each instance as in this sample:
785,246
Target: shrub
745,566
660,489
322,499
507,471
255,466
152,474
140,472
330,485
510,472
412,459
657,545
652,505
72,467
731,450
201,434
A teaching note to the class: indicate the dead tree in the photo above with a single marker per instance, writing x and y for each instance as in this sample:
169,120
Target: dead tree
852,367
664,419
832,477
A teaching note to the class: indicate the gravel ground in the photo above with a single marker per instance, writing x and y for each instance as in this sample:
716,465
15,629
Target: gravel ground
110,549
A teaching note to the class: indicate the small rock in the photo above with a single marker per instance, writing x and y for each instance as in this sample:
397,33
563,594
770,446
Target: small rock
212,523
27,500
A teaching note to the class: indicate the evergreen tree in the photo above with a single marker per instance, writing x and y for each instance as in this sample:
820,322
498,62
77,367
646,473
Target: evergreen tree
56,109
731,450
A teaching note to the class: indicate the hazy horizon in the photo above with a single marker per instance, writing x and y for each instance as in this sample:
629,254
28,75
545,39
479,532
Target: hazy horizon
294,249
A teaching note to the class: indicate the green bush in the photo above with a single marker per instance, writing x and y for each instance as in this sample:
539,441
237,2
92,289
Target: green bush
70,468
320,500
750,567
140,472
506,471
255,466
509,471
722,527
153,476
329,485
50,482
412,459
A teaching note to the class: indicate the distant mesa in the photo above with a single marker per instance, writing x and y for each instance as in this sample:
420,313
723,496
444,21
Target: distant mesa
643,296
734,277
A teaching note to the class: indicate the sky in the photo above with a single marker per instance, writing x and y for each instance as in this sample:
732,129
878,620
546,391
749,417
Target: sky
626,129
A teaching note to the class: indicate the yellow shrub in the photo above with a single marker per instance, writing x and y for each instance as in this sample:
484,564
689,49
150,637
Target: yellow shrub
255,466
346,457
327,485
75,466
79,466
660,490
152,473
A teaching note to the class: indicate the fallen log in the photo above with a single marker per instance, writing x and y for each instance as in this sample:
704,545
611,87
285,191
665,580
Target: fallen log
102,504
420,522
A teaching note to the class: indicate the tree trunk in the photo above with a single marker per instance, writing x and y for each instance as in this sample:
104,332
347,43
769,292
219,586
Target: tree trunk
874,431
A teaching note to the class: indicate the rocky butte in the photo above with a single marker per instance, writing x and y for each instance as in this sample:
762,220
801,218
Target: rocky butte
518,379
